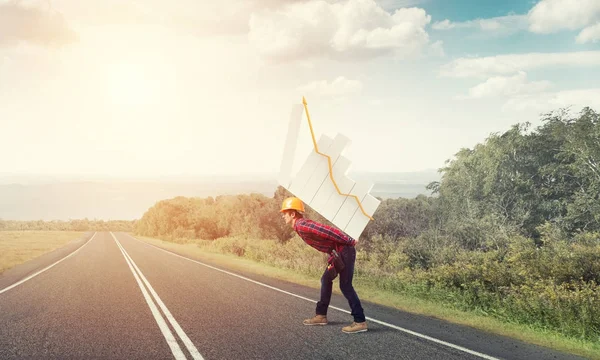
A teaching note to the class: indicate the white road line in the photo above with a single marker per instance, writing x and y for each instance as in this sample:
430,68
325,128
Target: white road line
186,340
457,347
48,267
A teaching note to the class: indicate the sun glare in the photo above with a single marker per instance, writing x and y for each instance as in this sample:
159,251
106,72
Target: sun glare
131,85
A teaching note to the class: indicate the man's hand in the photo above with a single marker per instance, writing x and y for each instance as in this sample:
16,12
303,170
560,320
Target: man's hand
330,259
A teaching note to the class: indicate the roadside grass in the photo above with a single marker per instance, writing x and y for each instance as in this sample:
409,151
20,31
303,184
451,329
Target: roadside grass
17,247
245,255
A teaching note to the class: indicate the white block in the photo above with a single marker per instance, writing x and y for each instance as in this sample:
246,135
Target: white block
321,173
327,189
359,221
350,205
335,200
289,150
309,167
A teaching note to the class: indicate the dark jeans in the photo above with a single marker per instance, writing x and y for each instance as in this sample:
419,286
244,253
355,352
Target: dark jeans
348,254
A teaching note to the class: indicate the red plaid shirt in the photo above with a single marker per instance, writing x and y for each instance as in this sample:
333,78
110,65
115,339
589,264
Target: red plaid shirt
322,237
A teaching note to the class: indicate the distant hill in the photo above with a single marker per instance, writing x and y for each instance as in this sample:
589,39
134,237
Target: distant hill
398,185
32,198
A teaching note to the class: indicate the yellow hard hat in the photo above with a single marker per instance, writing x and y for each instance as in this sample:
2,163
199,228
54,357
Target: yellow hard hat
292,203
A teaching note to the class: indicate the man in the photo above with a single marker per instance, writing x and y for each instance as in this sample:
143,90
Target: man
326,238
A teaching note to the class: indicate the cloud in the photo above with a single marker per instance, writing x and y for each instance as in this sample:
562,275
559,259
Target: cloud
338,87
397,4
437,49
193,17
20,23
551,101
507,86
445,25
376,102
225,17
510,64
549,16
197,18
498,25
346,30
589,34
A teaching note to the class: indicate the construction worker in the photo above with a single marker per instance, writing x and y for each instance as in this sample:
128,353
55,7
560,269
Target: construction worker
326,239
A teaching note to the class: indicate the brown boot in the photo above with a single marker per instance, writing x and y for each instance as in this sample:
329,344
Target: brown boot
355,328
317,320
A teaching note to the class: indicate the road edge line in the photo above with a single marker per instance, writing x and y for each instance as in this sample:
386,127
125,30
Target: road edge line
47,267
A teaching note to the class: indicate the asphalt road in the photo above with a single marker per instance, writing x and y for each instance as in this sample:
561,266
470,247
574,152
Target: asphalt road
115,297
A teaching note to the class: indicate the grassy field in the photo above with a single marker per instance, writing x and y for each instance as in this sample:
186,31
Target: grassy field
17,247
244,255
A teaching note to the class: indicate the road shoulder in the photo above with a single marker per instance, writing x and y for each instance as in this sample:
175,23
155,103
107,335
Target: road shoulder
21,271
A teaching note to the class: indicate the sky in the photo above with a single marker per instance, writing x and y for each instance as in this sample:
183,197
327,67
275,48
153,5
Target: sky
152,88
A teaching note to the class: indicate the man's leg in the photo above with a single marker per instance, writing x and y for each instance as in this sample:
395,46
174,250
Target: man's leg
326,288
349,257
323,304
